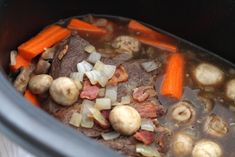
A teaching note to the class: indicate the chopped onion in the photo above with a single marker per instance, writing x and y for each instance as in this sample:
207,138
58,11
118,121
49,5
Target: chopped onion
111,92
93,76
147,151
116,103
13,55
101,92
96,114
84,67
78,84
123,57
103,103
77,76
149,66
107,70
87,121
94,57
90,49
76,119
147,124
110,135
125,100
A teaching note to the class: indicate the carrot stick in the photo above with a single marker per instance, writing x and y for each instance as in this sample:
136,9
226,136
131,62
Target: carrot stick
147,32
85,27
45,39
31,98
172,84
158,43
20,62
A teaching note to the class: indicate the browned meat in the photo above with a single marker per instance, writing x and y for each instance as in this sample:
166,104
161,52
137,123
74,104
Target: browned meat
68,62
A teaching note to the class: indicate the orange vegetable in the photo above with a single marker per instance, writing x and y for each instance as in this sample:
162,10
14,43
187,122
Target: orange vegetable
158,43
45,39
85,27
147,32
172,84
20,62
31,98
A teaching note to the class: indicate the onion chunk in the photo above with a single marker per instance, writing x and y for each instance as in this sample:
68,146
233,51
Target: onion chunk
103,103
87,121
75,119
111,93
77,76
84,67
110,135
94,57
147,124
147,151
149,66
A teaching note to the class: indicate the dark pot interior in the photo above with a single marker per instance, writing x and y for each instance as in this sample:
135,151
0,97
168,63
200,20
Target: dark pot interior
210,24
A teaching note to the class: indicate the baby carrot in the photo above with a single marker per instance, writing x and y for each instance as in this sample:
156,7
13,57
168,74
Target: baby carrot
172,84
85,27
45,39
31,98
20,62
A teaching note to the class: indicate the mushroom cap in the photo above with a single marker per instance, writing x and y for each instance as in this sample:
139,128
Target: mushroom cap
206,148
182,112
64,91
230,89
182,144
125,119
208,74
40,84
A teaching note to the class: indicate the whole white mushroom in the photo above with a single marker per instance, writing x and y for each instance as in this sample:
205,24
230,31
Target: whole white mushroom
125,119
39,84
230,89
64,91
182,144
206,148
208,74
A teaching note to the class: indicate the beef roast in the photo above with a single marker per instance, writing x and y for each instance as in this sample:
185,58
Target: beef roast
75,53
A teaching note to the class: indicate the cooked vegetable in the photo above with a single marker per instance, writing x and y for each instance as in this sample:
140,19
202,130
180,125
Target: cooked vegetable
126,44
42,67
94,57
19,62
125,100
31,98
76,119
78,84
149,66
94,76
230,89
77,76
182,144
215,126
48,54
111,93
13,55
89,92
125,119
182,112
90,49
172,84
147,124
144,136
84,67
158,44
208,74
39,84
206,148
101,92
147,151
63,52
87,120
64,91
107,70
100,119
22,79
45,39
103,103
110,135
84,27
